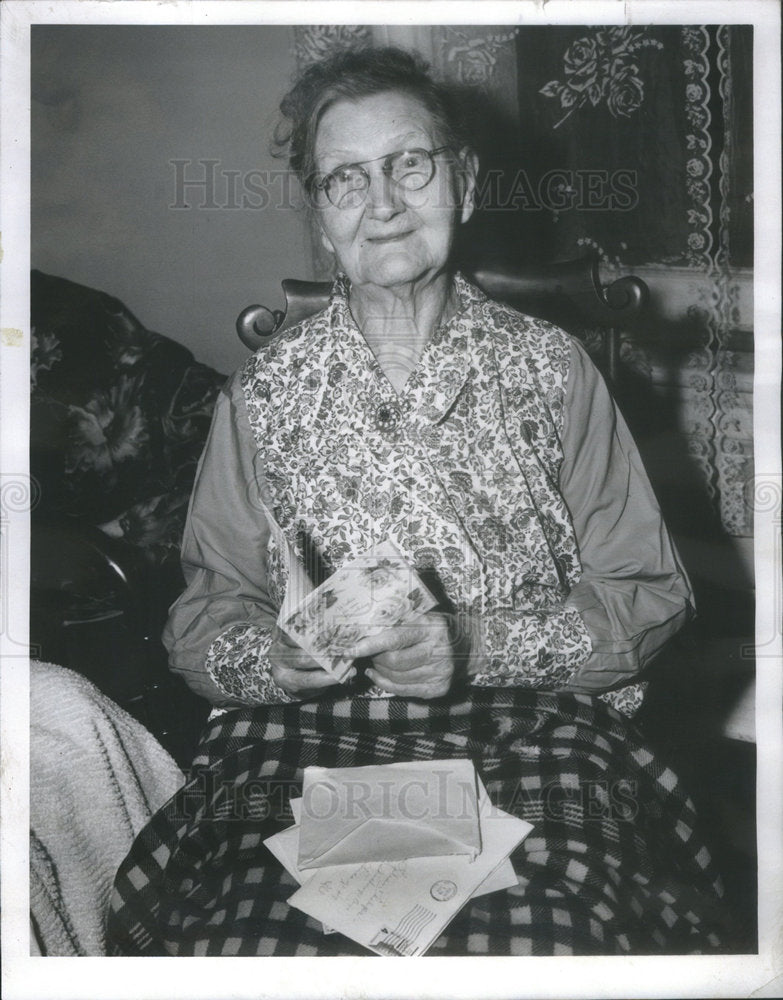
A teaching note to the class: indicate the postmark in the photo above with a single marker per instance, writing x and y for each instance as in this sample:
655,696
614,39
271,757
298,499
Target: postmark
443,890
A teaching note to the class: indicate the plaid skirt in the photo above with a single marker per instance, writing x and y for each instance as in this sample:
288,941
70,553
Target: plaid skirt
613,865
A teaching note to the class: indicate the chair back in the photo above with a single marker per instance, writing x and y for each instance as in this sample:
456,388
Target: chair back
568,293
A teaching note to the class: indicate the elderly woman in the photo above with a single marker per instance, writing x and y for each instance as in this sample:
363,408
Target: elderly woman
485,446
481,442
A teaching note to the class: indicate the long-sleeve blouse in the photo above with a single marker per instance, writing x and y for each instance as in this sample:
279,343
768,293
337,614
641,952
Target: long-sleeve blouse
503,471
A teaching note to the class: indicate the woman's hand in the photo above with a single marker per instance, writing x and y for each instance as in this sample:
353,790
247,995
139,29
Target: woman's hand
295,671
416,661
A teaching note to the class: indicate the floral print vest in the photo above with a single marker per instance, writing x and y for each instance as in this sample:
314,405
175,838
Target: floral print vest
459,470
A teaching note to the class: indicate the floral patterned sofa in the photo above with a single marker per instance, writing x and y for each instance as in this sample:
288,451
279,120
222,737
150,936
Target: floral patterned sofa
119,416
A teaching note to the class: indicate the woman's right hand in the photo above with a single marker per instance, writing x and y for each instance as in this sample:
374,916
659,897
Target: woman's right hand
295,671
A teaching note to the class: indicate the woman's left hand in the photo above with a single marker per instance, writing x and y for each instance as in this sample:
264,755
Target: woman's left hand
415,661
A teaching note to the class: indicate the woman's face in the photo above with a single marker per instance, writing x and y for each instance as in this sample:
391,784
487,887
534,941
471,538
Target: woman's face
394,236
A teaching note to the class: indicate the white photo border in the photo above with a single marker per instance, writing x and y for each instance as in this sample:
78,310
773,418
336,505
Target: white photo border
687,976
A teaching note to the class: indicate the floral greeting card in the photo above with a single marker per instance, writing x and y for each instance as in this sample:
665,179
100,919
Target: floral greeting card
377,590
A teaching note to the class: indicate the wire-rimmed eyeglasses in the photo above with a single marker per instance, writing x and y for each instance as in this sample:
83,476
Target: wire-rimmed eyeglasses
346,186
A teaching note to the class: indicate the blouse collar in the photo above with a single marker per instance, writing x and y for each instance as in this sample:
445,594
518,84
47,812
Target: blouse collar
445,362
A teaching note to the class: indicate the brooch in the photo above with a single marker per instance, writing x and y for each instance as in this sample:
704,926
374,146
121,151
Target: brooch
387,417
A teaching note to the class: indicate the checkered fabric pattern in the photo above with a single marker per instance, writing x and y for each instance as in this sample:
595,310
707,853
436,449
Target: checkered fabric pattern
613,866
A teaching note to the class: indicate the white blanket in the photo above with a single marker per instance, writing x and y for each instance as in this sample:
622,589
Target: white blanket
96,777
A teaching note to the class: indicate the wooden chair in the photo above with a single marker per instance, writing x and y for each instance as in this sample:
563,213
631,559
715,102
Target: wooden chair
569,293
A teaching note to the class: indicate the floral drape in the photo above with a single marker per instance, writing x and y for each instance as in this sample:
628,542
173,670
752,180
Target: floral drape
648,131
667,107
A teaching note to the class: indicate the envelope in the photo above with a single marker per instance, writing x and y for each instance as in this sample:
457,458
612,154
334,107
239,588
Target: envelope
401,907
388,812
284,845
